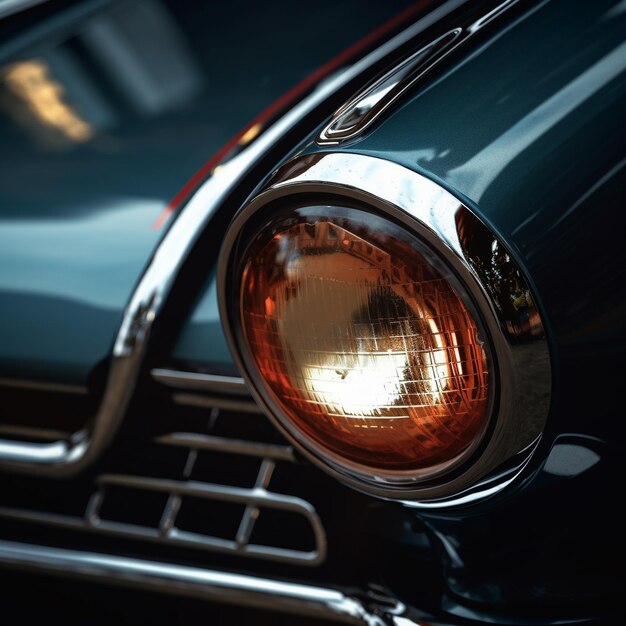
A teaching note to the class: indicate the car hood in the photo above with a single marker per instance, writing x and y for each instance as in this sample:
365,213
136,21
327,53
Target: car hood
106,109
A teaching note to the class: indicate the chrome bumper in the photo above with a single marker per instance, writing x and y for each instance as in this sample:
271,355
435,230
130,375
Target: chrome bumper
211,585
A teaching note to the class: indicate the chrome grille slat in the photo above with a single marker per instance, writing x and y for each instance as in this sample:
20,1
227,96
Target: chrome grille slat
200,381
196,489
236,446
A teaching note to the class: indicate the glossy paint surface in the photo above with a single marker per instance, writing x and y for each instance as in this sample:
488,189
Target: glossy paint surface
201,342
106,111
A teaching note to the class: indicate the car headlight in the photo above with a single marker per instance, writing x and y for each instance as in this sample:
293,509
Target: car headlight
364,340
370,335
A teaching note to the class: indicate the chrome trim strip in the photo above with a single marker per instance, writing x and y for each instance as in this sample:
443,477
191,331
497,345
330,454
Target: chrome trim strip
222,444
437,217
207,584
492,15
68,456
352,119
198,381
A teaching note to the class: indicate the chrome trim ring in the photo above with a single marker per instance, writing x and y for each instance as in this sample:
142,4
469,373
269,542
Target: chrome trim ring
443,223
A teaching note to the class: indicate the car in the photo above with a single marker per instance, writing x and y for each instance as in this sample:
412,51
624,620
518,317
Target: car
315,312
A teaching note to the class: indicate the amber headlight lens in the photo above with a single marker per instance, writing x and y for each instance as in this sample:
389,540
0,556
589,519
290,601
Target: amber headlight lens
364,343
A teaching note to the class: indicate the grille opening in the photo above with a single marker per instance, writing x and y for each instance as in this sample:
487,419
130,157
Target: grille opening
248,426
183,418
283,529
37,409
295,480
210,517
227,469
55,494
151,460
130,506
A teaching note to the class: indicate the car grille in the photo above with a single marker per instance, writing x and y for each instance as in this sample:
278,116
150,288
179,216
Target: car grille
196,466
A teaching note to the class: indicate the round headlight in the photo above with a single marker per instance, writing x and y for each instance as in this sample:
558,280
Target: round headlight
365,342
385,329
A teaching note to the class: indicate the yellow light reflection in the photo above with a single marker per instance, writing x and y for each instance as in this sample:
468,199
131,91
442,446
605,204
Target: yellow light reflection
250,134
43,97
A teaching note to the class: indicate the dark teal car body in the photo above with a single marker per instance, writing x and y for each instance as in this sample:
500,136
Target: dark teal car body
524,123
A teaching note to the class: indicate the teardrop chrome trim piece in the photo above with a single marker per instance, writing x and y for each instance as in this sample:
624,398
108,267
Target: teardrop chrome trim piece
356,116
